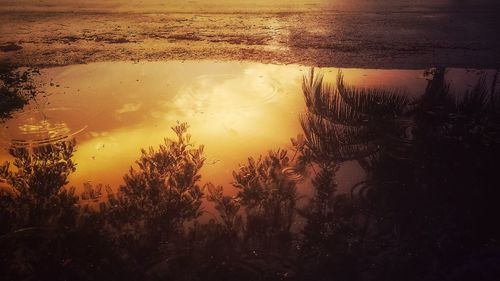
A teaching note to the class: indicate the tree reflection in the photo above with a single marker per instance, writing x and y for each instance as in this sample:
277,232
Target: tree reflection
149,211
37,209
16,89
269,198
425,204
38,182
425,211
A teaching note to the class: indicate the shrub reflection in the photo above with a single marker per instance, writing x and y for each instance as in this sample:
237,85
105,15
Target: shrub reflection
425,211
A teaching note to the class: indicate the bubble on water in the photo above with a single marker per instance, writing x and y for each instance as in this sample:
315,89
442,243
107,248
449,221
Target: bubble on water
292,173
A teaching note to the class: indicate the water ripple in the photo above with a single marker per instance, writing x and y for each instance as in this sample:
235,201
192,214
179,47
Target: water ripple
37,127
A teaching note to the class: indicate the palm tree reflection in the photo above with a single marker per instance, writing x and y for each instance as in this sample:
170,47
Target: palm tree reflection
425,211
430,176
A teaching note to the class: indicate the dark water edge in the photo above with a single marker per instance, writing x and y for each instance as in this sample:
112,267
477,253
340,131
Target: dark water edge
425,210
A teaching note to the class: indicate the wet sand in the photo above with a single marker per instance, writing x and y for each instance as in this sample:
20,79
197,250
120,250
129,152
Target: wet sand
377,38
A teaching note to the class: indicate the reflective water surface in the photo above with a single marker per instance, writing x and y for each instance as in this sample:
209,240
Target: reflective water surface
235,109
398,169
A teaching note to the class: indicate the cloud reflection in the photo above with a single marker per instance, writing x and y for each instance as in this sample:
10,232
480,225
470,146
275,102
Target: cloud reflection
235,109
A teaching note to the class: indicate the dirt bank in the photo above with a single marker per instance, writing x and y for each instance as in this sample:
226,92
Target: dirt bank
408,39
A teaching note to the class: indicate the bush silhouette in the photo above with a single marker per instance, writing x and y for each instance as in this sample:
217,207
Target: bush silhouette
426,209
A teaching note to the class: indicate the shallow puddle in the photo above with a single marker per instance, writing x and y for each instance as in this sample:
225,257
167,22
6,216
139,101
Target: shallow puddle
235,109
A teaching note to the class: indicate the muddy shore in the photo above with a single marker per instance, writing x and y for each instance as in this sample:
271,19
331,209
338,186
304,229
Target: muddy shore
405,40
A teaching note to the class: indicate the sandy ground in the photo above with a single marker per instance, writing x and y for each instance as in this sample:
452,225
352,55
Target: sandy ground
397,38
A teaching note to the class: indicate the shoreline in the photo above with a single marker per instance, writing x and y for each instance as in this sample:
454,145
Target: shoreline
323,39
241,55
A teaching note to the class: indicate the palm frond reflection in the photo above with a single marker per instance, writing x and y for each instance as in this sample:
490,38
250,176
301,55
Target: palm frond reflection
424,210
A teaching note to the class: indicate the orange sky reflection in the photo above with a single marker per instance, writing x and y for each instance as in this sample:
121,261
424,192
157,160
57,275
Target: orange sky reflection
235,109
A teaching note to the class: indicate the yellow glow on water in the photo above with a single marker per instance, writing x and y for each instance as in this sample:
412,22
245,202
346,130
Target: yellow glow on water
235,110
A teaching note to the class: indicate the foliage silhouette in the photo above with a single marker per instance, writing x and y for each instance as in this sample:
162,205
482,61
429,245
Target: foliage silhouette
269,198
16,89
429,165
38,182
227,207
150,209
37,209
426,209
